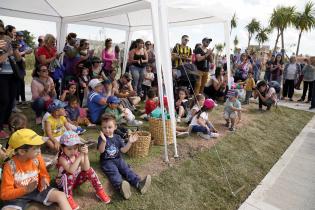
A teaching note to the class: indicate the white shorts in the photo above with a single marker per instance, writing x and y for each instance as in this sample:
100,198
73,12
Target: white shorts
230,115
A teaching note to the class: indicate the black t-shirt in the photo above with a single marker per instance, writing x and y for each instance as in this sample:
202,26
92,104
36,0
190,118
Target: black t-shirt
112,148
204,64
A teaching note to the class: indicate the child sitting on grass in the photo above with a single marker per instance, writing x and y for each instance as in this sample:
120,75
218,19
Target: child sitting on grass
71,91
150,103
200,123
56,124
111,146
232,109
74,168
25,177
181,105
199,101
73,113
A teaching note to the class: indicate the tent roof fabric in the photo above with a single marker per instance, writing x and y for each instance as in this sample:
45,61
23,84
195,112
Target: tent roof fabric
120,14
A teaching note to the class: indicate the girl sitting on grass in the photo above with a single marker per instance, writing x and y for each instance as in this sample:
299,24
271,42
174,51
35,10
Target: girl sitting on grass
200,123
181,104
74,168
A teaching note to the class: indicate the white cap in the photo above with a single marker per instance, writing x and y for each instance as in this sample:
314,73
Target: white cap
94,82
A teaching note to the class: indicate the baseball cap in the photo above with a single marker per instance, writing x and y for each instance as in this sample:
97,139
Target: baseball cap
113,100
70,138
206,39
231,93
209,104
94,83
56,104
25,137
19,33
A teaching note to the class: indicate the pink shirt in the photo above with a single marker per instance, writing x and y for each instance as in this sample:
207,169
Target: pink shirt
37,87
108,57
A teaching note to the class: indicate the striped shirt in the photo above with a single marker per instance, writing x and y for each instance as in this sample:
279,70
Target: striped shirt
182,51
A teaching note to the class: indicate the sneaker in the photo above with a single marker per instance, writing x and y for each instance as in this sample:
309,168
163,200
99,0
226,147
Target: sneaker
135,123
16,110
214,135
144,185
182,134
103,196
91,125
203,135
125,189
80,130
38,120
72,203
300,100
231,129
227,124
3,135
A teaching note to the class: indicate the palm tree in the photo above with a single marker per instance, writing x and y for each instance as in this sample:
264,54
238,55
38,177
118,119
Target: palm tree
282,18
233,22
252,28
219,48
262,35
235,42
274,22
304,21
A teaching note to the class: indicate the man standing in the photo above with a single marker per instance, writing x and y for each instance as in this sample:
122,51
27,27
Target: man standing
181,53
203,60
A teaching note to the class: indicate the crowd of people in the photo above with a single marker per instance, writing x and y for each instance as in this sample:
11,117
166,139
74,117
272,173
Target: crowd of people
76,89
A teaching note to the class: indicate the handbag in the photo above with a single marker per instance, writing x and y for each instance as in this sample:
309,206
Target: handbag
17,67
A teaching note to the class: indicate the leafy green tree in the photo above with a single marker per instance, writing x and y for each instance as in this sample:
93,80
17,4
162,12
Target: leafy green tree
233,22
235,42
304,21
252,28
29,38
262,36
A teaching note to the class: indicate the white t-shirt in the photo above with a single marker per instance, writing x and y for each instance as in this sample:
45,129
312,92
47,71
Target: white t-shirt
203,115
291,71
150,76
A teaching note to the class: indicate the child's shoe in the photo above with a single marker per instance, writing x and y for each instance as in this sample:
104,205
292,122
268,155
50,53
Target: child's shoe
144,185
232,129
72,203
91,125
214,135
125,189
80,130
204,135
103,196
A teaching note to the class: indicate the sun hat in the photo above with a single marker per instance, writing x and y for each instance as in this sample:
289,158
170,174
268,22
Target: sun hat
113,100
94,83
209,104
56,104
70,138
25,137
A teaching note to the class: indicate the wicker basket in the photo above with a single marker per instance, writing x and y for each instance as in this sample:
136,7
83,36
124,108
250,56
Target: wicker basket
141,147
156,130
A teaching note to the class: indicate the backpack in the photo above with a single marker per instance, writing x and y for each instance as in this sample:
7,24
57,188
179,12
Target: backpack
275,85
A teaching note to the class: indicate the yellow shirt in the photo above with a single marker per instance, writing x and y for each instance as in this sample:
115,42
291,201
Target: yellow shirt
249,84
57,125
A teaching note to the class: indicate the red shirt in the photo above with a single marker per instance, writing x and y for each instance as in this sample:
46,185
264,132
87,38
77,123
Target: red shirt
49,53
150,105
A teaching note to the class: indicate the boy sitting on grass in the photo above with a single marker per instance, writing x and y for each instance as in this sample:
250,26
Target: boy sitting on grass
113,165
25,177
232,109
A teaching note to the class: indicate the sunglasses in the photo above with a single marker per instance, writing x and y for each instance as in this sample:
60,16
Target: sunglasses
187,40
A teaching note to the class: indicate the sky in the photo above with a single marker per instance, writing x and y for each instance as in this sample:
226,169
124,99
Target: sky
245,10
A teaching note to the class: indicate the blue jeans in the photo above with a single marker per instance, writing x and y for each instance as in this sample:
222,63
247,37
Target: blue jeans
116,169
200,128
137,78
38,106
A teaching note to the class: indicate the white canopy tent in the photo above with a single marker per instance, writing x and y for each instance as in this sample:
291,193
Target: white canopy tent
130,16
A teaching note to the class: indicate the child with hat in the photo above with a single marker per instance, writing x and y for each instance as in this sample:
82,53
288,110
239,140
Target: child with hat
232,109
25,177
200,123
74,168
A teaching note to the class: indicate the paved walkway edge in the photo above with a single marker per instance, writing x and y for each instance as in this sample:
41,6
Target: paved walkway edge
256,199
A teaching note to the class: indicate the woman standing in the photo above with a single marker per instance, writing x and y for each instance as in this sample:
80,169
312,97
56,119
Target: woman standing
108,56
290,75
43,91
308,80
7,78
277,69
138,58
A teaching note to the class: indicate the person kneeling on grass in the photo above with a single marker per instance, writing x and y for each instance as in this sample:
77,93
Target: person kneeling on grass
267,95
74,168
113,165
25,177
200,123
232,109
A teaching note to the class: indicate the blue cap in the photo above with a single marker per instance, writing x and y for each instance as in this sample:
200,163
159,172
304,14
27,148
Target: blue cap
107,81
113,100
56,104
19,33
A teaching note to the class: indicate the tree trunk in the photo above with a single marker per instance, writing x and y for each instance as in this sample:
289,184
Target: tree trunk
298,45
278,35
249,38
282,40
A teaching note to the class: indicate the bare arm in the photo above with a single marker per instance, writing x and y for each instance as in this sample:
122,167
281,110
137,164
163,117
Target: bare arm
49,132
71,168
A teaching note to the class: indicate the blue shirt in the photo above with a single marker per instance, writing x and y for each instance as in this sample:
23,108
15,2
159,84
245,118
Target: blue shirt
112,147
229,104
23,46
94,106
73,113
